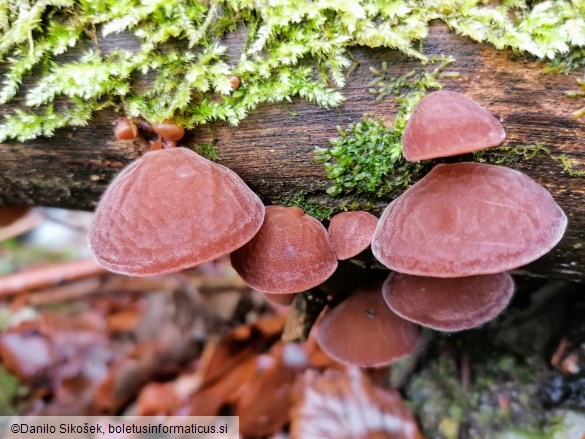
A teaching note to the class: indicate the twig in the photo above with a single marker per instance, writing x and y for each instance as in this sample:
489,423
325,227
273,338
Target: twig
305,309
43,277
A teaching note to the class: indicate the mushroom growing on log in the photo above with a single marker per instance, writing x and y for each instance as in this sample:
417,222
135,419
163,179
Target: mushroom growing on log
465,219
351,233
446,123
450,304
172,209
363,331
291,253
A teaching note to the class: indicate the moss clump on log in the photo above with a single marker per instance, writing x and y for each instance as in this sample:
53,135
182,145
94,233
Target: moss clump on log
290,48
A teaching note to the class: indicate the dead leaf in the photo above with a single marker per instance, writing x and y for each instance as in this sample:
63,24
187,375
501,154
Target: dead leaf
346,405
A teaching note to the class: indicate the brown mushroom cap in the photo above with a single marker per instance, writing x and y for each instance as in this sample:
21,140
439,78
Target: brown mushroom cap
465,219
446,123
363,331
172,209
169,130
448,304
351,233
290,253
125,129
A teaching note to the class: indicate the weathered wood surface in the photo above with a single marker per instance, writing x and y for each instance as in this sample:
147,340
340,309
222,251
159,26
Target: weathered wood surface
272,149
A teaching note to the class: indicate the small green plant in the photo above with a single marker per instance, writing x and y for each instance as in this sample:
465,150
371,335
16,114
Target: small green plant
10,390
314,209
507,155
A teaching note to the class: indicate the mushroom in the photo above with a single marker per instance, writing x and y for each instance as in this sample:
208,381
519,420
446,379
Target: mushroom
169,130
351,233
234,82
446,123
125,129
290,253
363,331
172,209
448,304
465,219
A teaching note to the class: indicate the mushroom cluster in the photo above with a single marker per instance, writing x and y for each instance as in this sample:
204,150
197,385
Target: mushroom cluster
449,239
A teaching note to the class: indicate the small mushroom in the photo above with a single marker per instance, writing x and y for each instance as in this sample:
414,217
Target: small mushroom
448,304
465,219
351,233
125,129
234,82
446,123
169,130
363,331
172,209
290,253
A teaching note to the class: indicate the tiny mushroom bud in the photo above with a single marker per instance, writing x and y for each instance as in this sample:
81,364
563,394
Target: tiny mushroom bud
290,253
169,130
446,123
234,82
465,219
351,233
448,304
125,129
363,331
172,209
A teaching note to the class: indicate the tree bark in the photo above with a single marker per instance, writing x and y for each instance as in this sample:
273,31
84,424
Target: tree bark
272,149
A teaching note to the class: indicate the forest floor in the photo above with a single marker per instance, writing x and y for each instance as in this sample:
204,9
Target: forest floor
201,342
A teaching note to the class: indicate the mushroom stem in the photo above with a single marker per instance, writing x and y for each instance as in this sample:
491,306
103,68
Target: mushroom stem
305,309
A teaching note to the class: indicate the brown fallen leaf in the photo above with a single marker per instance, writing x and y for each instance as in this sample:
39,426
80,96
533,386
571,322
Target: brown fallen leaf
346,405
265,400
43,277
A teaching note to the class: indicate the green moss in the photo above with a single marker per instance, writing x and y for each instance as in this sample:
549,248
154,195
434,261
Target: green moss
291,48
10,390
300,199
208,150
500,399
367,157
508,155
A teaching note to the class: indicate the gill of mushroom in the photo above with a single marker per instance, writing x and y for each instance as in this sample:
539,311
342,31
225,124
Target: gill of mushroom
170,210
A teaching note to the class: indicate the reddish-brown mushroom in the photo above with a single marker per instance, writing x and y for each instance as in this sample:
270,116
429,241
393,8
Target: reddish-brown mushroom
125,129
169,130
290,253
363,331
465,219
170,210
448,304
446,123
351,233
234,82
